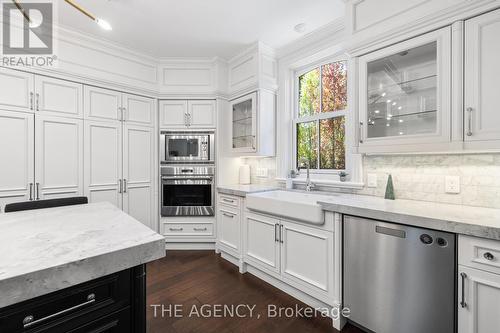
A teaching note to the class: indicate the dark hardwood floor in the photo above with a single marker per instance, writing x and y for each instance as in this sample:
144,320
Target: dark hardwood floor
191,279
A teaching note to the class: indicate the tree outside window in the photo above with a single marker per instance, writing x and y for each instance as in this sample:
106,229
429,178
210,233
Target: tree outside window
320,121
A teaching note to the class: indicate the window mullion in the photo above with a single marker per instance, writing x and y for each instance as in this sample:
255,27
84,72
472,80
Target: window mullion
318,141
319,115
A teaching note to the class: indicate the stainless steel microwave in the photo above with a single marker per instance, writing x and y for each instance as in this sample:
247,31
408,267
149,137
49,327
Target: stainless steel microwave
187,147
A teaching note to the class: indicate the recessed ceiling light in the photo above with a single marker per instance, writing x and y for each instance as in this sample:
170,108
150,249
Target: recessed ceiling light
300,28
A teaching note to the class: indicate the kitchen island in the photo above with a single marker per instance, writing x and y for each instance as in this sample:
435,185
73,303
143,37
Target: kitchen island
62,269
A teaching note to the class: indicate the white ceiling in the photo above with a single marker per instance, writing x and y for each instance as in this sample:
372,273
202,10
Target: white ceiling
200,28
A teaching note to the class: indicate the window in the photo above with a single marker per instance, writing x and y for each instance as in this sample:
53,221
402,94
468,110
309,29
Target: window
320,117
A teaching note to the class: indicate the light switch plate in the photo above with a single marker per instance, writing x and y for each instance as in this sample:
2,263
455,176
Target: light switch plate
262,172
372,179
452,184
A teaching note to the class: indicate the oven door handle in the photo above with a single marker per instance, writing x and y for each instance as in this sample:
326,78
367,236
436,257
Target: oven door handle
186,178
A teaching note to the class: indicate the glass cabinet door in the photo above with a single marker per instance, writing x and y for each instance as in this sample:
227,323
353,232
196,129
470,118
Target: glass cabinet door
243,118
406,91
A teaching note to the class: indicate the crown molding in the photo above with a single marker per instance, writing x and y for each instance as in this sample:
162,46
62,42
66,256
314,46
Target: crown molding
331,31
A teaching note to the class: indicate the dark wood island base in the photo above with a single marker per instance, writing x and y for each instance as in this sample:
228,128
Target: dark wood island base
113,303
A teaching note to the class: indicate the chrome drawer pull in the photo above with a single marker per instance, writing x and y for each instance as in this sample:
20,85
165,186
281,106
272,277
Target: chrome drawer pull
463,304
200,229
488,256
227,200
29,321
176,229
228,215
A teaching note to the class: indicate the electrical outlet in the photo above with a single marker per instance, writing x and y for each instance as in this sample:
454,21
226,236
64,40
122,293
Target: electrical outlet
262,172
372,180
452,184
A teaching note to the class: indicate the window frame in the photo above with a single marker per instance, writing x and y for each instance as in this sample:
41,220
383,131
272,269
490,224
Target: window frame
318,117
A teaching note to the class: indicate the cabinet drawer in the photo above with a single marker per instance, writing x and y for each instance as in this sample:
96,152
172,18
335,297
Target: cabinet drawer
90,300
479,253
229,200
188,229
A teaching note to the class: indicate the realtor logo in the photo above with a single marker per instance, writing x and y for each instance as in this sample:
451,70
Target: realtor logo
28,28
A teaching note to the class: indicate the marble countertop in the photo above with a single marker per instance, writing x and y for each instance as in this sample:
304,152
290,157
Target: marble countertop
243,190
466,220
42,251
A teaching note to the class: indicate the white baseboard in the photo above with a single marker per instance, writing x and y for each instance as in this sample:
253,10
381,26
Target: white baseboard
189,246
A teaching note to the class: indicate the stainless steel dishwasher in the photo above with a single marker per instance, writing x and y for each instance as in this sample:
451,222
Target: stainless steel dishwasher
399,279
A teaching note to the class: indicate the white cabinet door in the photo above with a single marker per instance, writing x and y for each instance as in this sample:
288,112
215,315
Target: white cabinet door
228,229
262,243
482,70
138,157
307,259
16,89
173,114
102,104
58,97
138,110
16,164
405,94
481,294
202,114
58,157
103,162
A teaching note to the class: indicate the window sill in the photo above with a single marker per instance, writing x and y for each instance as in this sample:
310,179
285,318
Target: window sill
326,183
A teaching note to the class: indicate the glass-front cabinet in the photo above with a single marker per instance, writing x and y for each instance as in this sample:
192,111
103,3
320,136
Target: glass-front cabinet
405,94
243,126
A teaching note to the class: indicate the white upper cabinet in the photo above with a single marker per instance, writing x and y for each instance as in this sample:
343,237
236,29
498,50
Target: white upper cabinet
59,157
188,114
482,71
202,114
102,104
138,110
405,94
58,97
138,171
244,124
103,162
173,114
251,124
17,162
16,89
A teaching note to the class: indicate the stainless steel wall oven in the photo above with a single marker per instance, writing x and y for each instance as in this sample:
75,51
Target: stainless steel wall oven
187,190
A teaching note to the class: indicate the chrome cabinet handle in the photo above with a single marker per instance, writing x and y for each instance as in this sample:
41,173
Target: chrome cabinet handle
37,191
37,101
463,304
488,256
189,119
281,234
186,122
228,215
176,229
29,321
361,132
31,100
124,186
120,186
276,239
200,229
31,191
124,114
469,121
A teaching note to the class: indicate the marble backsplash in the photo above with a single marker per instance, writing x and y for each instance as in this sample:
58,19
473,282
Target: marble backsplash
262,162
422,177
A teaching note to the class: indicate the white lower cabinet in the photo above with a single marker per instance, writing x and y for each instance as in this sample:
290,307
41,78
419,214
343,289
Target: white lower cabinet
17,163
262,242
479,301
478,285
103,162
228,230
307,260
138,171
58,157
